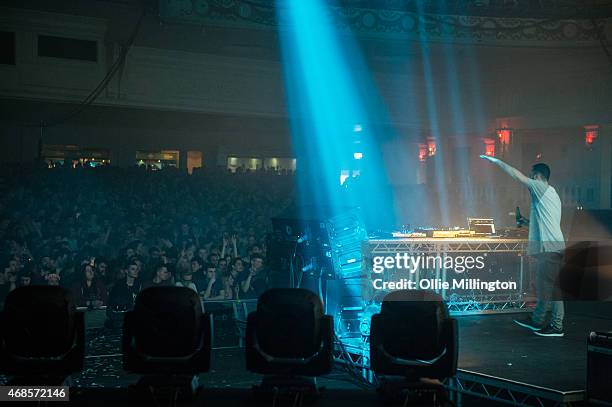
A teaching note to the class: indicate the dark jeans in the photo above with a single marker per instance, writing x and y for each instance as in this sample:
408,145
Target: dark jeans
547,292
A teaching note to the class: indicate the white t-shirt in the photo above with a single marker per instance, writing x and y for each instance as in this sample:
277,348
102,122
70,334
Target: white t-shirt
544,219
189,284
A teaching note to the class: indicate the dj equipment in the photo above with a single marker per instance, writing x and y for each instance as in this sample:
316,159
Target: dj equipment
477,227
440,234
599,365
435,233
482,226
514,233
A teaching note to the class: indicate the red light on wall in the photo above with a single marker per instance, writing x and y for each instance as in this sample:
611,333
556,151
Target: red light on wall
431,147
422,152
504,136
489,147
590,134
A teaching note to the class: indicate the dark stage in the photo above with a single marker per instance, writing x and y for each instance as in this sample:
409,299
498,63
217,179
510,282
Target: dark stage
501,361
494,354
495,346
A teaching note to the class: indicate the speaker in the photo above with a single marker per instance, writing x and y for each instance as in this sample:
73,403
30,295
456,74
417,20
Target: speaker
346,233
599,366
298,247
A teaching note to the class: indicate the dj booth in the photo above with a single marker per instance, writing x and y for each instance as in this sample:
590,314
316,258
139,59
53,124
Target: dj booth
476,270
465,290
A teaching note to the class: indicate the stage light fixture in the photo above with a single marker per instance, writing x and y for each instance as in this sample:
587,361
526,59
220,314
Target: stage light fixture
412,338
290,340
167,338
34,312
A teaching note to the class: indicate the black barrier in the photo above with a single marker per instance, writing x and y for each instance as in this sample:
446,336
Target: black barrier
95,318
229,320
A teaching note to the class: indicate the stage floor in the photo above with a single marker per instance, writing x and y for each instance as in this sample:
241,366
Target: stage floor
495,346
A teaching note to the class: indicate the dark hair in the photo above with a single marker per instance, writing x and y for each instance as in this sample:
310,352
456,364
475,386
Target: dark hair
209,266
256,256
93,269
542,169
85,265
170,267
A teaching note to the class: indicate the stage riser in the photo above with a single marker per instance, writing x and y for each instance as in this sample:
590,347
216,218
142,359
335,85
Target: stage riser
355,353
500,261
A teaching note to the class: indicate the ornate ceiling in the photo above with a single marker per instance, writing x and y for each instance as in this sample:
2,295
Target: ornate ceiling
517,22
564,9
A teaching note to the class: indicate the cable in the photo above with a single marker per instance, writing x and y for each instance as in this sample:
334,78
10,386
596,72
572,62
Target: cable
93,95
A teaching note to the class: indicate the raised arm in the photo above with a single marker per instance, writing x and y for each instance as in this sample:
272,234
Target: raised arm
508,169
222,255
234,245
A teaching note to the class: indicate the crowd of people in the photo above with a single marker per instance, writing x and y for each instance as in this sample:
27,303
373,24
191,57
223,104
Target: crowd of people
107,233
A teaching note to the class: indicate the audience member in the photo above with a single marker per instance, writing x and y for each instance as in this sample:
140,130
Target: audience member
254,280
214,287
186,280
90,291
123,294
162,278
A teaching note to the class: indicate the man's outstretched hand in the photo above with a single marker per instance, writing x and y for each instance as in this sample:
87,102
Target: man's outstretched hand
489,158
508,169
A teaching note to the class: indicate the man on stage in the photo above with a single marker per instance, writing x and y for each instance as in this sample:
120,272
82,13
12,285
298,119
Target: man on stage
546,245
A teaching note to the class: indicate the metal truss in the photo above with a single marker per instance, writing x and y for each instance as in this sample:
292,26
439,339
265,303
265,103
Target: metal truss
486,307
459,245
355,354
464,302
357,358
486,304
508,391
